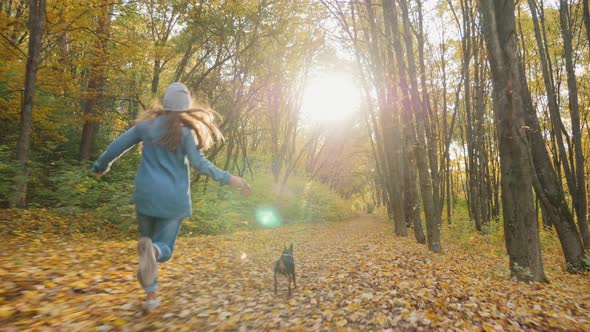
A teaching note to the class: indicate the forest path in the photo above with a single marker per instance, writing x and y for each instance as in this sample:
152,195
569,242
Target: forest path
350,275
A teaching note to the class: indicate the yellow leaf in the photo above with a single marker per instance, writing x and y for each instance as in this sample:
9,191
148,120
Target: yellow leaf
422,292
231,323
489,328
32,295
79,285
380,319
6,312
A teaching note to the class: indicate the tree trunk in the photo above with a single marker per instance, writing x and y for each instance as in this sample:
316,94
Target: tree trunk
446,160
472,171
481,155
383,128
96,84
411,203
391,132
555,208
156,76
37,15
586,15
579,195
521,228
554,112
429,125
549,191
430,209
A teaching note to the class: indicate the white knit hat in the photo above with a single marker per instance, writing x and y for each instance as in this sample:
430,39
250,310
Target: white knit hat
177,98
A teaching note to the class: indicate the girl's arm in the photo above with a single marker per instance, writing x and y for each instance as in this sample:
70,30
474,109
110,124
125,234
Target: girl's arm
119,146
199,162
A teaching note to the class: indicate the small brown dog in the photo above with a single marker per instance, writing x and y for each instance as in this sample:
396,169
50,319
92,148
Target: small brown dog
286,266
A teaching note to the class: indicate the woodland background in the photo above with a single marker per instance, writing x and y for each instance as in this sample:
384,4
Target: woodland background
470,148
472,112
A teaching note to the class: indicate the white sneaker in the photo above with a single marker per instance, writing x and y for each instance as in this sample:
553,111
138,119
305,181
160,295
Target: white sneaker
147,273
149,305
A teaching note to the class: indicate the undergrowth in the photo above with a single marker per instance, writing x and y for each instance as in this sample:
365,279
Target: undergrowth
69,191
460,234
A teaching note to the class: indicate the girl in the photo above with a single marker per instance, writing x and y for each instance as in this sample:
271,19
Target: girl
173,136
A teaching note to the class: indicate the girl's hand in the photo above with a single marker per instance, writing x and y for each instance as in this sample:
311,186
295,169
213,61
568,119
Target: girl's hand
240,184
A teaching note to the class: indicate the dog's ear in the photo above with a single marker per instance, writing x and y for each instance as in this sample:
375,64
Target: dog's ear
291,248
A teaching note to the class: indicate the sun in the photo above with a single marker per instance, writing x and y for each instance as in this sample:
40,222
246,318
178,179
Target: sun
330,97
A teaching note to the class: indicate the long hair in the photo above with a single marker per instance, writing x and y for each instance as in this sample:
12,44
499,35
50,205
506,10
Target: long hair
199,119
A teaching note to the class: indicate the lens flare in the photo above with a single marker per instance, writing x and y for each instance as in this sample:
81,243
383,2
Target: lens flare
268,217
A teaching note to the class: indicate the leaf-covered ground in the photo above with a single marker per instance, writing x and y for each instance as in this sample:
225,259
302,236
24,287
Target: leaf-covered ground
355,275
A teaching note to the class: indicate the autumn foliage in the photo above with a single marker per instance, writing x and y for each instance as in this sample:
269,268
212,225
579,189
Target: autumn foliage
355,275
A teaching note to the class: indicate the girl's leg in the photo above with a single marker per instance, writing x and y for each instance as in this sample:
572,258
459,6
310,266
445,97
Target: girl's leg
146,227
145,224
158,238
165,232
147,272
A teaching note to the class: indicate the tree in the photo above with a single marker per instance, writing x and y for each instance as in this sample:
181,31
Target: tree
288,69
163,18
37,13
417,108
521,229
96,82
586,15
409,144
473,73
545,180
579,189
391,124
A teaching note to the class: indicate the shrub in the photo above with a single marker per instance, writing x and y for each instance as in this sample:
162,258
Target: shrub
70,189
8,168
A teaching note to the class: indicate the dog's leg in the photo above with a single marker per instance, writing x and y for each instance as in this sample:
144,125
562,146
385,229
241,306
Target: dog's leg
275,282
289,279
294,282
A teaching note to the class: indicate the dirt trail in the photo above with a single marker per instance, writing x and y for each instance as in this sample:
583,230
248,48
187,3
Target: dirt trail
353,275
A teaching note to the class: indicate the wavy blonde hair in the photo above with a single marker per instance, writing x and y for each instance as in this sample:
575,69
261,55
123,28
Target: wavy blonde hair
199,119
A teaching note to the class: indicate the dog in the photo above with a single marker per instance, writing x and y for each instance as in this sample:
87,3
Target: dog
286,266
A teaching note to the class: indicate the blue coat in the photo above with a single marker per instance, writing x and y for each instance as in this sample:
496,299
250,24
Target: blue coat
162,182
